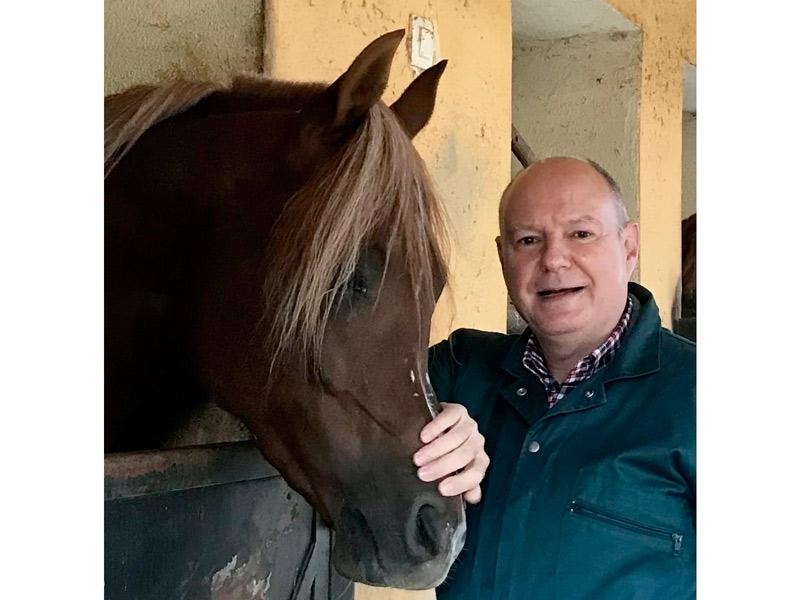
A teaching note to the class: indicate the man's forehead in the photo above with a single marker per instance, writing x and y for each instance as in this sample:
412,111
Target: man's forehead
568,210
562,189
529,224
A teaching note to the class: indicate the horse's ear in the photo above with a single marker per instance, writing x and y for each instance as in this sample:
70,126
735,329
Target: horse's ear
363,84
415,106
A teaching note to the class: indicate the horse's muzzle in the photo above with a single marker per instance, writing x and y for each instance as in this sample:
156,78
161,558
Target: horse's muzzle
415,553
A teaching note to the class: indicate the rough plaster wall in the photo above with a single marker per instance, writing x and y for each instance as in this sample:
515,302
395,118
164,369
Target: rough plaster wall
148,41
466,143
689,165
668,40
580,96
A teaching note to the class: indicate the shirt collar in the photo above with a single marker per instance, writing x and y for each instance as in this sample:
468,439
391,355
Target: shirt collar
534,361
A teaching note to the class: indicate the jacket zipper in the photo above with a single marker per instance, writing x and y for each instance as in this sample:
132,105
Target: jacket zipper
607,517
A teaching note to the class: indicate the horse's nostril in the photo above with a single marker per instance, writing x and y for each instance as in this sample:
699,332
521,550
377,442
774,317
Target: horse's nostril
426,537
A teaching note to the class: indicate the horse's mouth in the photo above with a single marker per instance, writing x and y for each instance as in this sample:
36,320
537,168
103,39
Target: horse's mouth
559,292
359,554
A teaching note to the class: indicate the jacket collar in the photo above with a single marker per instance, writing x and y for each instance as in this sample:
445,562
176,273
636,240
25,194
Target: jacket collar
639,354
512,362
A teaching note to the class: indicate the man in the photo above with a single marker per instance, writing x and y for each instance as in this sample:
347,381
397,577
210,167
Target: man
588,416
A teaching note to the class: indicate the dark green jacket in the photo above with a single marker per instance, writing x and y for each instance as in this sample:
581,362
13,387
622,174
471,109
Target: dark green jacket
592,499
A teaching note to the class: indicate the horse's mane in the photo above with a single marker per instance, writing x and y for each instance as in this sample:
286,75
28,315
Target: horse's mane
129,114
376,187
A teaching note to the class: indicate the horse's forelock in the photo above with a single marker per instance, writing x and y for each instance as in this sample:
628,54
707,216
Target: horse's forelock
376,187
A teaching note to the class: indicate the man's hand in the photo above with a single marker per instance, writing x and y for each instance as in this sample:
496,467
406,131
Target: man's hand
452,443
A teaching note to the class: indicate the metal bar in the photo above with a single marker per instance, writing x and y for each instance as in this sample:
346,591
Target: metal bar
520,148
132,474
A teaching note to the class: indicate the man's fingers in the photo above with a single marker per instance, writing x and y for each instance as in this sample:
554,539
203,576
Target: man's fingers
455,455
449,463
448,442
464,482
473,496
450,415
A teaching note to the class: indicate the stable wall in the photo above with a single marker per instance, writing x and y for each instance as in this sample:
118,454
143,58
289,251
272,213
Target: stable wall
148,41
579,96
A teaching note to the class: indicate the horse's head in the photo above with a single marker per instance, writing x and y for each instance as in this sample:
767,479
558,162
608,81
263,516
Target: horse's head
332,382
356,270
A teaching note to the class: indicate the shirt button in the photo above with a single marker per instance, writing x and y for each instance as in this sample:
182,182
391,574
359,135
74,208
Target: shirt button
534,447
589,393
522,391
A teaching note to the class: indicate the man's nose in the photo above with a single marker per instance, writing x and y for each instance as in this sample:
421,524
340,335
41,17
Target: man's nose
555,256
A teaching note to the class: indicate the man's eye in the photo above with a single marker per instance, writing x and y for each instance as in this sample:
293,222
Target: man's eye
583,235
527,240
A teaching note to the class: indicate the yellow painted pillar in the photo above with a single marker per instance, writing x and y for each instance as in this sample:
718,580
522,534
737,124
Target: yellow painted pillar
668,39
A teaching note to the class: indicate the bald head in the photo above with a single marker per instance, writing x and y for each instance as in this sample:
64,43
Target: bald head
565,171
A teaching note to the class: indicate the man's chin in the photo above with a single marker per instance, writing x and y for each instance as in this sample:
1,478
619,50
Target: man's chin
557,333
555,328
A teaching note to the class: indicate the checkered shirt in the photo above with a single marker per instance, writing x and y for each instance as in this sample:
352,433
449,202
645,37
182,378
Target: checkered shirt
534,360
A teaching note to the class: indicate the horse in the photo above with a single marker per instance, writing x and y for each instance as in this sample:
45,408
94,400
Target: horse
277,248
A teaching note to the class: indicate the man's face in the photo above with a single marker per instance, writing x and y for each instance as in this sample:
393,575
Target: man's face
566,258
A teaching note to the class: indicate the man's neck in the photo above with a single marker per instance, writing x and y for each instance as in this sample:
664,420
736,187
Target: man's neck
563,355
564,352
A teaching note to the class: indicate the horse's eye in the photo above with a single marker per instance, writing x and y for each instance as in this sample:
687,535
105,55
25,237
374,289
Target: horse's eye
359,285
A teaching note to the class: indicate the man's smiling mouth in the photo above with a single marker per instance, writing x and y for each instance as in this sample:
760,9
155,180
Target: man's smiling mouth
558,292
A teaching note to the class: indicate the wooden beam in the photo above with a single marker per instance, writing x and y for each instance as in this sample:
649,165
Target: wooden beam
520,148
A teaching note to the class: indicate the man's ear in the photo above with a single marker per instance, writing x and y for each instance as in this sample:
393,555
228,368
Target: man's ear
498,241
630,238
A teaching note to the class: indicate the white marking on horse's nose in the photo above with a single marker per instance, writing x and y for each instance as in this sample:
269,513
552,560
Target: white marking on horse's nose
413,377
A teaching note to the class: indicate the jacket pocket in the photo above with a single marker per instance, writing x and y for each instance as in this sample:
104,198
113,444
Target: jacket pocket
585,509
